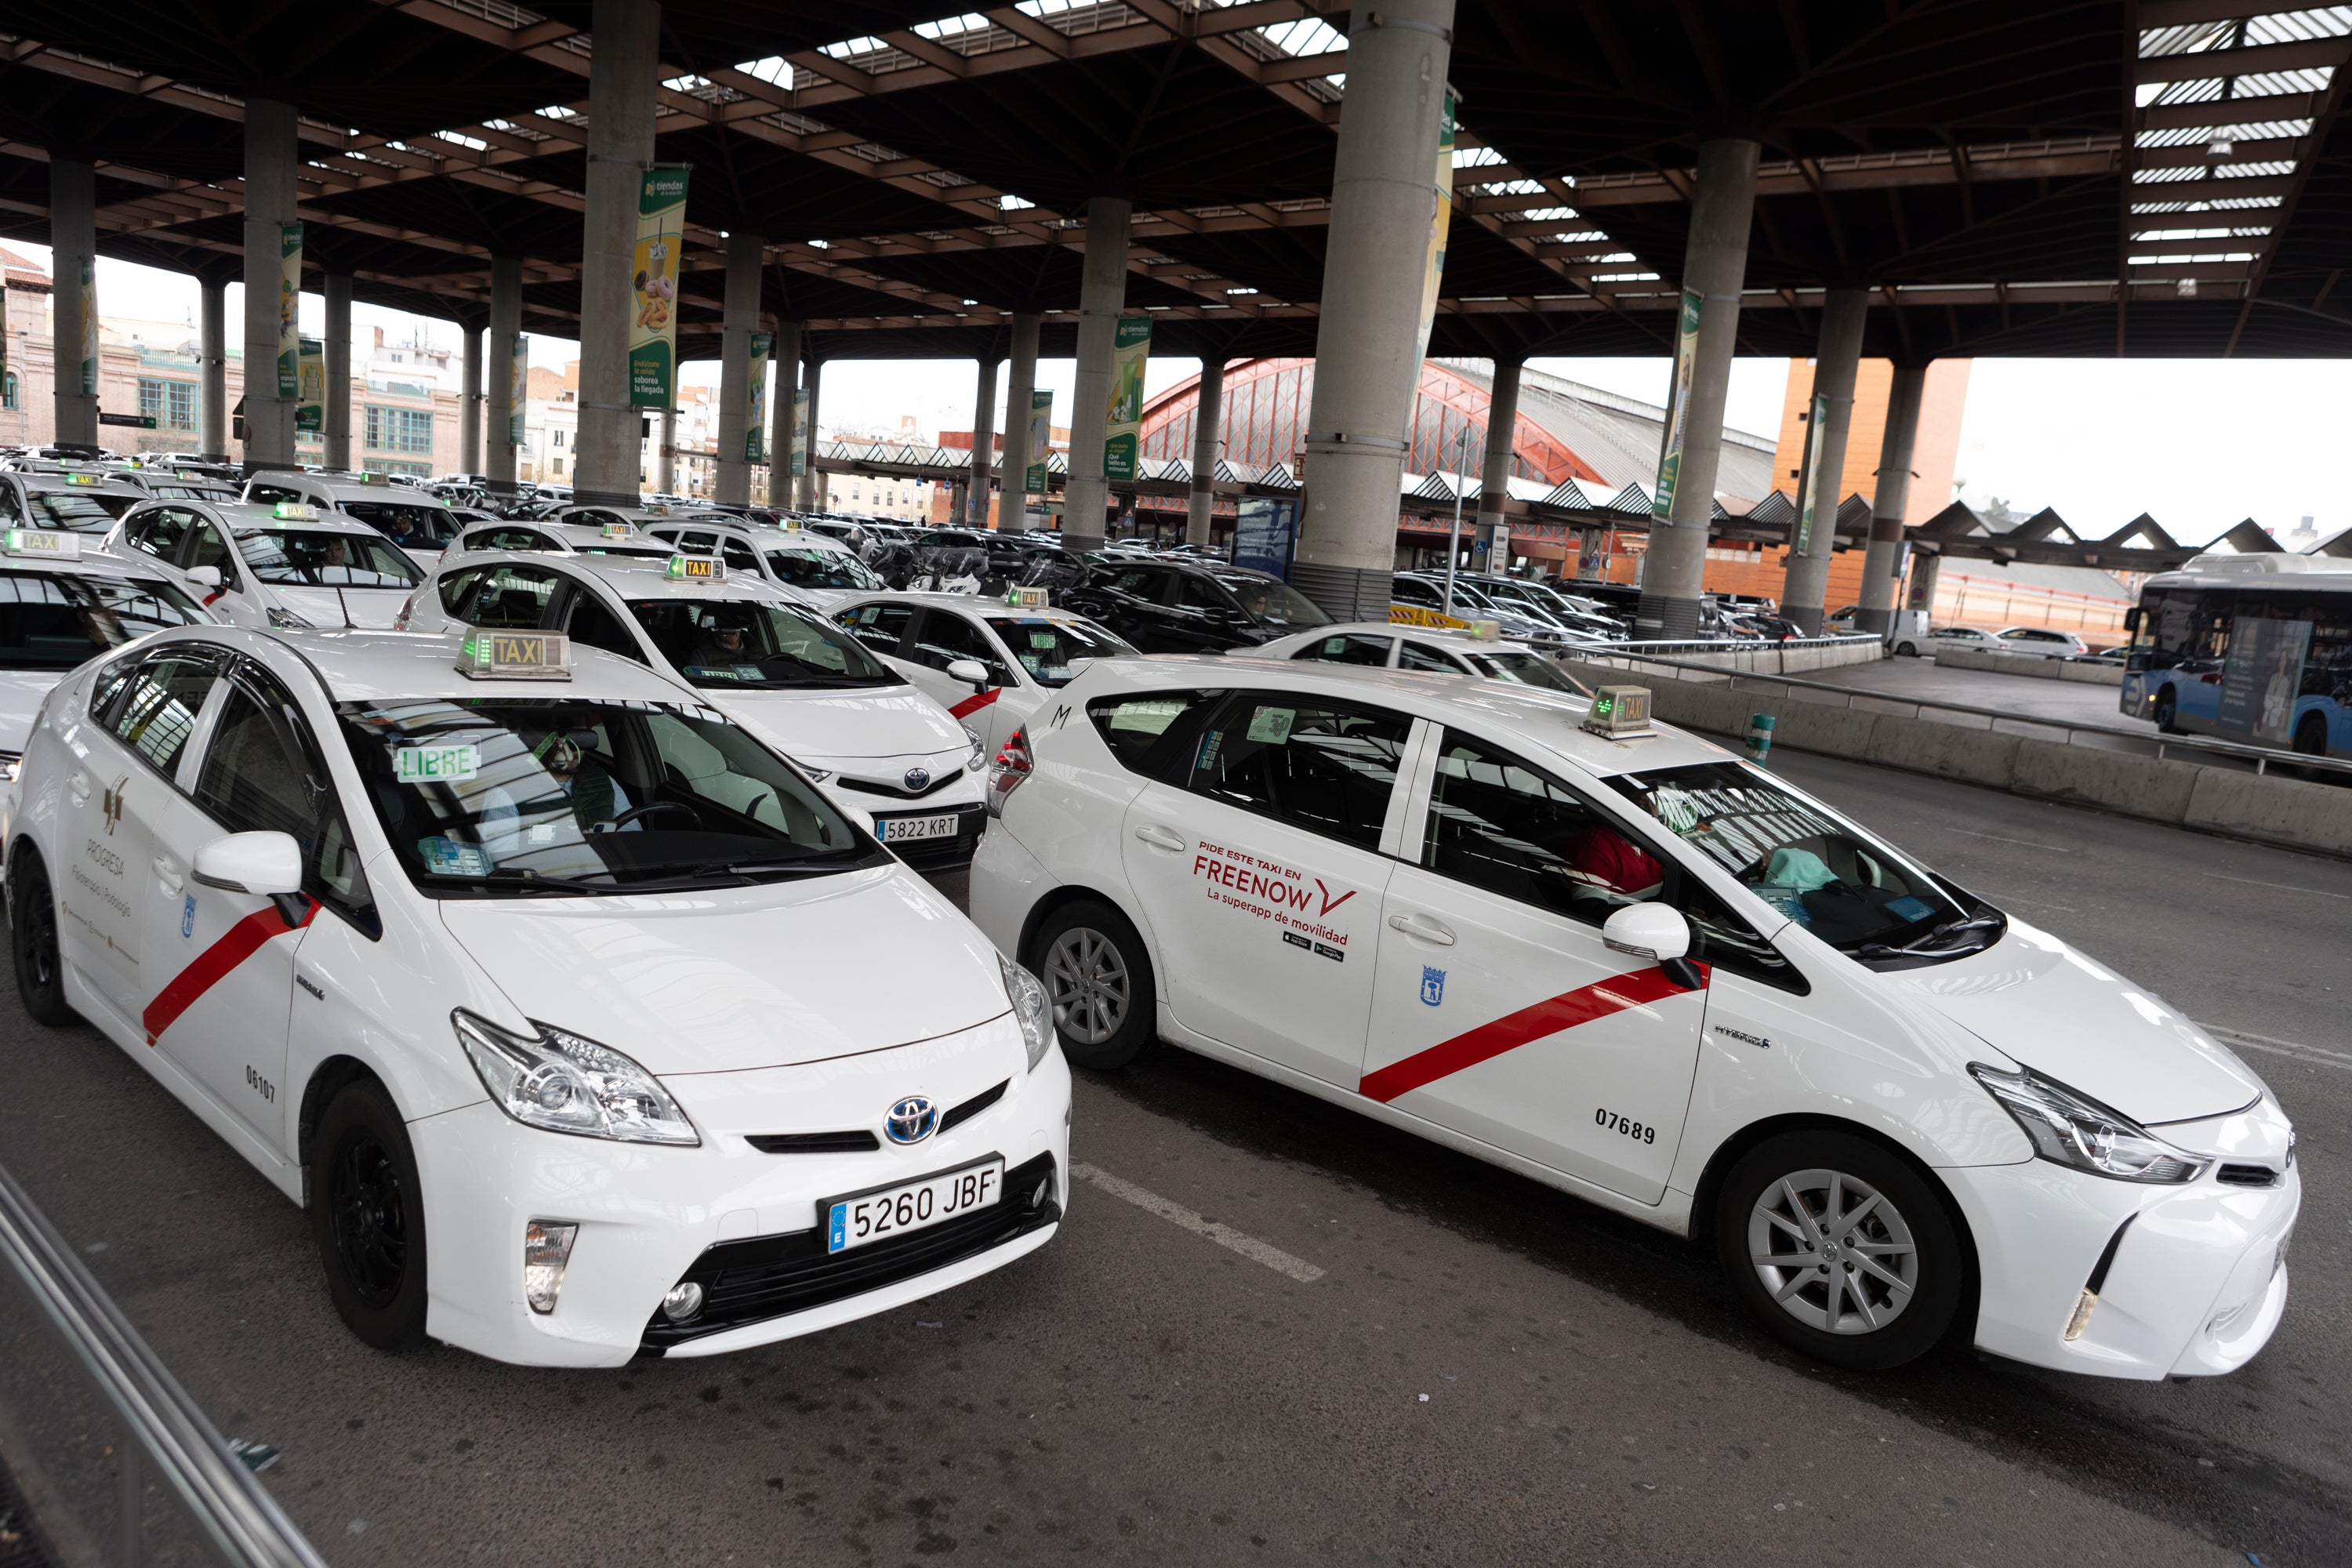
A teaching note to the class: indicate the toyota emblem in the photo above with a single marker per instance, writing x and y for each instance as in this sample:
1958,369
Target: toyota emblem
918,777
912,1121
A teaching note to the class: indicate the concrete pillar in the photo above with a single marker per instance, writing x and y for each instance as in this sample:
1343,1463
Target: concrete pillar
1208,450
983,442
810,489
335,414
621,83
665,454
1495,478
1020,392
1715,266
1101,296
270,159
506,325
1890,499
73,238
731,485
785,353
211,350
469,406
1837,356
1368,336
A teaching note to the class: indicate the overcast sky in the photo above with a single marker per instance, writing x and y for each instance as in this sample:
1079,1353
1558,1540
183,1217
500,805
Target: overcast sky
2198,444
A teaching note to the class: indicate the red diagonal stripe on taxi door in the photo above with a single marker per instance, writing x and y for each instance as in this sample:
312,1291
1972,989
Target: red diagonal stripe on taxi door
1566,1010
216,964
975,703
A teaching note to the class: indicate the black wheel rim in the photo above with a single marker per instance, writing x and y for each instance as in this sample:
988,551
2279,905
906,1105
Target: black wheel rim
367,1208
40,940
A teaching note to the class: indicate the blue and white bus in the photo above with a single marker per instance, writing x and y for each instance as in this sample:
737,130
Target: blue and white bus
2255,648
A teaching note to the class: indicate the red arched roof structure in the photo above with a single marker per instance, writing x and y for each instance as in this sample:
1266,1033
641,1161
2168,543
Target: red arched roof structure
1265,423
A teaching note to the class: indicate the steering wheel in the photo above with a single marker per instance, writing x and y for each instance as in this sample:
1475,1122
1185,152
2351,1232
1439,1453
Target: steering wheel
635,812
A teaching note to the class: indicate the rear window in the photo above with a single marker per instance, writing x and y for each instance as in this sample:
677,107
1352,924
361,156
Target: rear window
78,511
1152,734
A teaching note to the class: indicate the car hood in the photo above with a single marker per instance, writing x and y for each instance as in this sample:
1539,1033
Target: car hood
372,608
21,691
884,721
725,980
2049,1007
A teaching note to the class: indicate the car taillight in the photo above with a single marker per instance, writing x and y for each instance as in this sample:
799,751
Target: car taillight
1011,764
400,621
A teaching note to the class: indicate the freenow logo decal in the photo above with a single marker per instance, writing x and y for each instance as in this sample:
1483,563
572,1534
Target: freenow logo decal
1266,889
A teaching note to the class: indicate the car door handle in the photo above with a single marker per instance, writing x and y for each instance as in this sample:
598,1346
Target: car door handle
1160,837
1423,929
79,784
167,873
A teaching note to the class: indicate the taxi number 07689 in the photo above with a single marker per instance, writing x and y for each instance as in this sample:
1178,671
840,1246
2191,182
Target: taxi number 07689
1640,1132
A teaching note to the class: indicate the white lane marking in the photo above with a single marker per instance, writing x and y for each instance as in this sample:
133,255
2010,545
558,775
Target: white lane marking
2276,887
2319,1054
1998,838
1224,1236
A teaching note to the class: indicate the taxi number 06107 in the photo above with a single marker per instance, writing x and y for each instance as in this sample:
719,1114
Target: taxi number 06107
1640,1132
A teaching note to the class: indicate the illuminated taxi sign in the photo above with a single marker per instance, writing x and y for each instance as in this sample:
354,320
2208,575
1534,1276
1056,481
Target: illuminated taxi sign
491,655
789,524
84,478
41,543
1029,599
658,509
1487,631
698,569
294,511
435,764
1619,712
614,531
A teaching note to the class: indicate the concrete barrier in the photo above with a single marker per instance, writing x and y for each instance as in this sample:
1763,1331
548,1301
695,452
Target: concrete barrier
2265,809
2033,666
1768,658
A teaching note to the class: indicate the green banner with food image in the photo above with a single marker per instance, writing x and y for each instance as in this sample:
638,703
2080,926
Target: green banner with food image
311,401
1130,352
1041,441
1670,455
755,424
290,312
653,270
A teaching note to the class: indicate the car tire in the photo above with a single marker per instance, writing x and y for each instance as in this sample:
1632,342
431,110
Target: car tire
2168,709
367,1216
1867,1297
2311,735
1906,650
1098,979
33,939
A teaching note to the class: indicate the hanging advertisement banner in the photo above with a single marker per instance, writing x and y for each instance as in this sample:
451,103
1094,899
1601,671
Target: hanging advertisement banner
800,431
290,312
311,377
1265,533
1041,441
517,389
1670,455
1441,219
90,326
1808,482
653,329
1131,348
755,419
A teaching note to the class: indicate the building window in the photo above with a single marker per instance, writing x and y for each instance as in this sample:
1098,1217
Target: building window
7,389
559,438
399,430
170,404
383,465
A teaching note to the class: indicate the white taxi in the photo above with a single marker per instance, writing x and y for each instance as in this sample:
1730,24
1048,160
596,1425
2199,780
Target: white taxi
51,496
547,536
989,661
874,743
62,605
287,565
542,985
820,569
1435,650
418,522
1623,962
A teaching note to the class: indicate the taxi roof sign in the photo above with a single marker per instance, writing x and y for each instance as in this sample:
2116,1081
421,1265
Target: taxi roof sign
1487,631
491,654
1029,599
1620,711
84,478
294,511
616,531
49,545
698,569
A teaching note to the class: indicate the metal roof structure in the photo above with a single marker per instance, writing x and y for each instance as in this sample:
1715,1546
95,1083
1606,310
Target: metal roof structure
2169,177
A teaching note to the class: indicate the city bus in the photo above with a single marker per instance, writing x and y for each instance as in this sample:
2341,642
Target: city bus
2255,648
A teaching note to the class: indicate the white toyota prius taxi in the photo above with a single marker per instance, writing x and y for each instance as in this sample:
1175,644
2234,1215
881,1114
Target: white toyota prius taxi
548,990
1619,960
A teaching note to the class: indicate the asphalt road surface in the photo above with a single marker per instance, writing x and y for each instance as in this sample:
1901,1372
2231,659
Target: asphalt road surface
2091,704
1272,1332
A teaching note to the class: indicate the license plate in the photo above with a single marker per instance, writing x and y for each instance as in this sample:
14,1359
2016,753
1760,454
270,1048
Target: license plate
915,1205
899,829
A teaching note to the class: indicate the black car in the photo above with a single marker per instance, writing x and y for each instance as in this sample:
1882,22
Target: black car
1166,606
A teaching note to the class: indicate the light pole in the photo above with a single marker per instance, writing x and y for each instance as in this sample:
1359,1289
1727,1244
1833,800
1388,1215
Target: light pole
1453,534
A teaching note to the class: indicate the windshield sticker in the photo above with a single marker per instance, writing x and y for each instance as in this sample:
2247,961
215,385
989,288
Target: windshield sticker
430,764
1209,749
1043,639
1272,725
1909,909
447,857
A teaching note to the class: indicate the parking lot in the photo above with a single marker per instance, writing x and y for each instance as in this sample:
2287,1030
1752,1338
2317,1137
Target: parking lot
1270,1332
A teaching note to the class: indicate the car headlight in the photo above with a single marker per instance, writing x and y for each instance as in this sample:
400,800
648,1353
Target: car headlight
288,620
2074,1129
10,762
560,1082
1031,1007
979,757
816,774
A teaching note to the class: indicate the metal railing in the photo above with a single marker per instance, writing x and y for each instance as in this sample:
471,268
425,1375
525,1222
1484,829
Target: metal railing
115,1461
1998,720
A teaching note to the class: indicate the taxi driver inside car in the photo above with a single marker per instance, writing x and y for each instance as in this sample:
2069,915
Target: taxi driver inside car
412,874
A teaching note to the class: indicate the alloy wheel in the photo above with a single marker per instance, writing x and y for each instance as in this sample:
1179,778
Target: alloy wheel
368,1207
1832,1252
1087,982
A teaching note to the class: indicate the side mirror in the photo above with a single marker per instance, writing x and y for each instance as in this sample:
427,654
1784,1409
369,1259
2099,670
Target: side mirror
262,863
205,576
1649,931
970,672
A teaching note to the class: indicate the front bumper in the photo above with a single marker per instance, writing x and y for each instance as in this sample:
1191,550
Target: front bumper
875,791
735,1218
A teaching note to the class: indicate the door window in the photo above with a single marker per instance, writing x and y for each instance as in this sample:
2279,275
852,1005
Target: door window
261,774
1141,582
1325,767
1405,591
159,531
1420,655
739,556
1496,823
211,550
506,595
1152,734
947,637
269,495
1348,649
879,626
1200,594
154,712
592,624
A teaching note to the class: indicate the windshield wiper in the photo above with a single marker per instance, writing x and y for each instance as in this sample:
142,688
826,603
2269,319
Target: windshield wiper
1921,947
528,881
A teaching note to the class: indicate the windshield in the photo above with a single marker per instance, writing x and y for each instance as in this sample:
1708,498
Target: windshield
56,623
405,525
323,560
1523,668
78,511
1046,648
503,796
750,645
1846,888
822,569
1272,600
